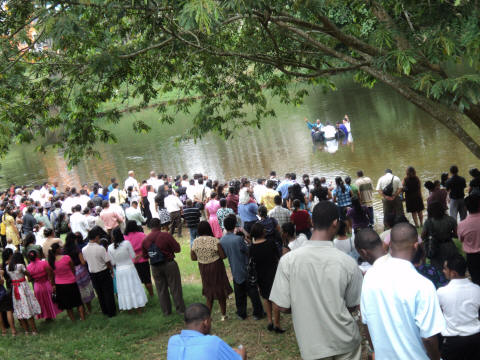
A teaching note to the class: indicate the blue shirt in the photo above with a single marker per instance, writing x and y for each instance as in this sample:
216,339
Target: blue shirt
193,345
313,125
283,188
344,129
400,307
237,252
248,212
343,198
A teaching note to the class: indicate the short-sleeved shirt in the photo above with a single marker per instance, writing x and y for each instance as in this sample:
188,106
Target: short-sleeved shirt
365,190
63,271
460,302
206,249
469,233
301,219
193,345
386,179
281,214
164,241
96,257
318,282
395,293
268,198
192,216
136,239
248,212
343,197
456,185
237,252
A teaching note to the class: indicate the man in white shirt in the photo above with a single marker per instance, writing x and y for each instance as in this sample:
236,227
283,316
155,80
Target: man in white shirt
78,222
131,181
35,194
174,207
68,203
460,302
133,213
119,195
329,131
321,285
259,190
101,271
83,199
400,306
44,192
153,180
191,189
119,210
389,187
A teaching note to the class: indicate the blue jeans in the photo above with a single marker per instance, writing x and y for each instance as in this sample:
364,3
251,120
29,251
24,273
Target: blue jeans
193,235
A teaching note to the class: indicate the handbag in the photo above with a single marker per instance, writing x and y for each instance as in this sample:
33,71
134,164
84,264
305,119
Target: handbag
251,273
388,190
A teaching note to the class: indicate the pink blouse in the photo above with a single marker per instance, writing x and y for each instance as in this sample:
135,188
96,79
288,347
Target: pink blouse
63,271
38,270
136,239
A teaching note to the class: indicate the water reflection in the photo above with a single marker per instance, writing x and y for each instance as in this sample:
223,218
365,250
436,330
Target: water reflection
388,132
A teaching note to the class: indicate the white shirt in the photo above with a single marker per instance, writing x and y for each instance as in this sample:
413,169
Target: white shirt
36,195
83,200
96,257
67,205
135,215
345,245
191,191
79,223
173,203
386,180
155,182
460,302
298,242
400,307
131,182
258,191
329,131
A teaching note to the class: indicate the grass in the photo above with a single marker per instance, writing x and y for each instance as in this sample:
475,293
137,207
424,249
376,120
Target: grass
145,336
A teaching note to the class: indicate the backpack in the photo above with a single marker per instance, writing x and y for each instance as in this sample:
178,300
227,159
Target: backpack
155,255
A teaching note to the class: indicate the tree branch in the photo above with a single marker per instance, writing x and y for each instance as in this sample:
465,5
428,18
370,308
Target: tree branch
144,50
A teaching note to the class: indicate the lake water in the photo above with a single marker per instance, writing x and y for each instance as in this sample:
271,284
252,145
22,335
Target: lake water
388,132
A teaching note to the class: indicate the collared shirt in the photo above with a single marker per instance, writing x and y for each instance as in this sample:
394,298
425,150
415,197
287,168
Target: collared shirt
237,252
110,218
164,241
79,223
365,190
460,302
298,242
319,282
96,257
268,198
395,293
281,214
135,215
469,233
193,345
173,203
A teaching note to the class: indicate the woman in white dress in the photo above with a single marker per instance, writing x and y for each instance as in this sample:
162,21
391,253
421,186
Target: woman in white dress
131,294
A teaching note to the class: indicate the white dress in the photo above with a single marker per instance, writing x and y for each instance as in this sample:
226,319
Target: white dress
131,294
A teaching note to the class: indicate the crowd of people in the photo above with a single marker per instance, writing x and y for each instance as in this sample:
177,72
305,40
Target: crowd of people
304,246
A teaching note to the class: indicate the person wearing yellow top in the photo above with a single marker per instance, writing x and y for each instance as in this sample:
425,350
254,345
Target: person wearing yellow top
268,197
11,231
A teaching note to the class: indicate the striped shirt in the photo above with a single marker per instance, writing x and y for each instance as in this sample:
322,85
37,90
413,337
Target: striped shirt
191,216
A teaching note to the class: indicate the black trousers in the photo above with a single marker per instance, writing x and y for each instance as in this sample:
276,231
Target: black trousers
461,347
103,283
473,265
241,292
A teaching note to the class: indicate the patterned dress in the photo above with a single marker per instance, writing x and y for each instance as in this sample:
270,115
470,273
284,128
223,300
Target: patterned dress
25,305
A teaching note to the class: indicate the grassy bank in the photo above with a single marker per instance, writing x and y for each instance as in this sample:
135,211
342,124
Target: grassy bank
145,336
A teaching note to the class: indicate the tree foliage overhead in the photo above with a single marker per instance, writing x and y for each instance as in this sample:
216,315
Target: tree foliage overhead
223,54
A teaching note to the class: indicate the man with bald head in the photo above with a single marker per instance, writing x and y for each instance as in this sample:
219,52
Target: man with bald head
400,306
131,181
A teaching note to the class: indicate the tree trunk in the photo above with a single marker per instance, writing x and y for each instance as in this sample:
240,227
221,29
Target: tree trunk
448,117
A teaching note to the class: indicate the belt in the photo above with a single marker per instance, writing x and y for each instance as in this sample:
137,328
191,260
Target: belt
16,284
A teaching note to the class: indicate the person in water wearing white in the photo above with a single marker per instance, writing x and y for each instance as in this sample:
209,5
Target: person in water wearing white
329,131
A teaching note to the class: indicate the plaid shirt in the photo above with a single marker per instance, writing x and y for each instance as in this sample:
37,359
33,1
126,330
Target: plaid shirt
343,198
280,214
